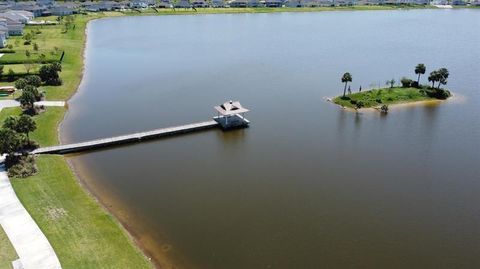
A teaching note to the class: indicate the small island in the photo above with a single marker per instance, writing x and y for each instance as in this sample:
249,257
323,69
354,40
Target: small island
408,92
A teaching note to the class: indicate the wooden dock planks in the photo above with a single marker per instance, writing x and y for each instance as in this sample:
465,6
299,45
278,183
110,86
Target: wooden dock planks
123,139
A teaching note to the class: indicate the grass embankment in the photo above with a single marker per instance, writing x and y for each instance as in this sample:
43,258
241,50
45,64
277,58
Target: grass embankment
82,233
7,252
386,96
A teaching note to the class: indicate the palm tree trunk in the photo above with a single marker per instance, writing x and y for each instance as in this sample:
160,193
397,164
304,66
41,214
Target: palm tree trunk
418,79
345,89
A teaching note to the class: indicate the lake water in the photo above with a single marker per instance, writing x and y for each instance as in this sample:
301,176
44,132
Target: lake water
308,185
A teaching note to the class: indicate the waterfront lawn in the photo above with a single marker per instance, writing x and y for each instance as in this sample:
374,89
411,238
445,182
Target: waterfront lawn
379,97
82,234
47,122
7,252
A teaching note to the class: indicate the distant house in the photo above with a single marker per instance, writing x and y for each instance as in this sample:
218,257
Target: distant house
319,3
164,4
238,3
199,3
475,2
14,27
218,3
26,15
15,17
3,37
61,11
273,3
182,4
294,3
139,4
439,2
47,3
458,2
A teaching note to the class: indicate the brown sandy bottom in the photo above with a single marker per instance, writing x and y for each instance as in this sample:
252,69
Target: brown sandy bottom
162,254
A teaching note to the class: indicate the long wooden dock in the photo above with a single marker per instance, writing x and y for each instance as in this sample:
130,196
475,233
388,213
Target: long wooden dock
117,140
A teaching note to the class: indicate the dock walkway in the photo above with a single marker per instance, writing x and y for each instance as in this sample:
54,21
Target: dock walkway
117,140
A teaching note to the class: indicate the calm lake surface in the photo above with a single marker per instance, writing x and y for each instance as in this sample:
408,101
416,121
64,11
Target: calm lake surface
307,185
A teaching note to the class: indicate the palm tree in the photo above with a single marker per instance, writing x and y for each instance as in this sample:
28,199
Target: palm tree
442,76
433,77
420,70
346,78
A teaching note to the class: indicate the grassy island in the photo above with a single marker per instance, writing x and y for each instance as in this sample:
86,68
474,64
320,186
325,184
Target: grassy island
387,96
410,91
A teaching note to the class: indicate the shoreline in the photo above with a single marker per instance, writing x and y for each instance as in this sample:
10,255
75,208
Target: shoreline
81,174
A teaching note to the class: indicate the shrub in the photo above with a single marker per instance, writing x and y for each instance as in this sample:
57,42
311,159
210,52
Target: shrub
415,84
384,109
353,102
20,84
378,100
406,82
359,105
24,167
49,74
439,93
345,98
33,80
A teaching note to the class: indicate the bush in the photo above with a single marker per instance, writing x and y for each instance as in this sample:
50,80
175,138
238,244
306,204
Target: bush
33,80
384,109
406,82
438,93
415,84
360,104
20,84
345,98
24,167
353,102
378,100
49,74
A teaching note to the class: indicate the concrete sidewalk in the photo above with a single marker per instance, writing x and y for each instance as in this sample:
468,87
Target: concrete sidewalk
31,245
13,103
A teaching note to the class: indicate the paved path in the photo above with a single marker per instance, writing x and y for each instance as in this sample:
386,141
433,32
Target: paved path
31,245
13,103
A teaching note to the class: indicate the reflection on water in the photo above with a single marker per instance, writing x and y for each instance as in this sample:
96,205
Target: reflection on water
308,185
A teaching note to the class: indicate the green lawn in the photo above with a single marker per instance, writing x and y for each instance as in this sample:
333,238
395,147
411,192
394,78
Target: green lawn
7,252
46,133
81,232
379,97
20,56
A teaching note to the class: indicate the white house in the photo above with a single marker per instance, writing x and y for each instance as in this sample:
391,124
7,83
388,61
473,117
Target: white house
3,38
218,3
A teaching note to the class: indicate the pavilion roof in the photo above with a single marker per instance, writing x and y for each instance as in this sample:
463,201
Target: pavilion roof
231,108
